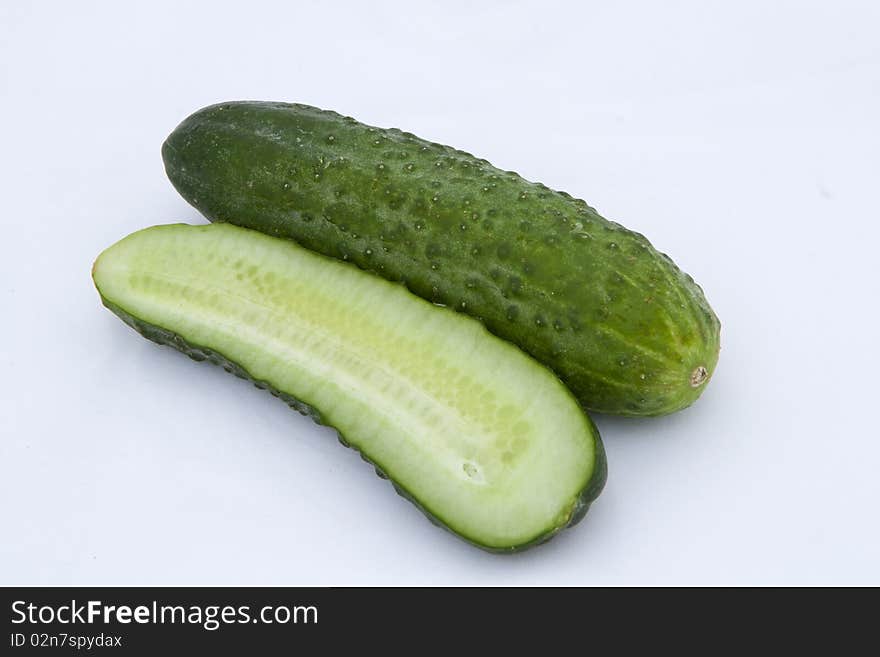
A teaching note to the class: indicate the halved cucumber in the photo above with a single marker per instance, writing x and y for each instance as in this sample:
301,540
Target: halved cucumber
478,435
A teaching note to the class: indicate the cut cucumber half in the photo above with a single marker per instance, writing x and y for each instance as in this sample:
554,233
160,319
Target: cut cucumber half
482,438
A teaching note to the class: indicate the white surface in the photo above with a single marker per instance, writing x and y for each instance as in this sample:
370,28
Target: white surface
742,138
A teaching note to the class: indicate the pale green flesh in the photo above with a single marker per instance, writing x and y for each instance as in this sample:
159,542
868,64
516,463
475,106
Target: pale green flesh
482,436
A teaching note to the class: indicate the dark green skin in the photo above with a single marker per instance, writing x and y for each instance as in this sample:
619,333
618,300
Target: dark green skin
165,337
621,325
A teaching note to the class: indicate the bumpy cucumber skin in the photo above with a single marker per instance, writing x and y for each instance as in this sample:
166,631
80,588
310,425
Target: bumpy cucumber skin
622,326
579,506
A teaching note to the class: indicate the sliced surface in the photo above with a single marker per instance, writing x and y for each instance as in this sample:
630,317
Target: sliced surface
478,434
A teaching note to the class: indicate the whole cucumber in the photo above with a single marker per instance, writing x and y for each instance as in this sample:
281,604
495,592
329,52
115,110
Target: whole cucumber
619,323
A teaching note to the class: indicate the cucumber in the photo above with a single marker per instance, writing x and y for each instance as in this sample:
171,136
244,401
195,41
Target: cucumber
623,327
483,439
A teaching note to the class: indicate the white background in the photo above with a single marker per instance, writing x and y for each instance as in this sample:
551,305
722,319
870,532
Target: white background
743,138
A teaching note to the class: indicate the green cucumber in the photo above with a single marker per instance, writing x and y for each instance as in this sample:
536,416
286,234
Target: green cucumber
486,441
623,327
